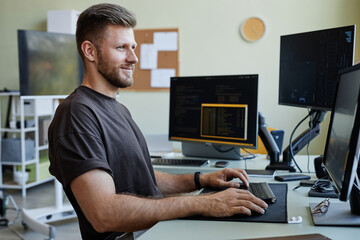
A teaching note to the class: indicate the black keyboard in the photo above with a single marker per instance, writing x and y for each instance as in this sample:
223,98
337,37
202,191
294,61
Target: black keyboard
262,191
180,162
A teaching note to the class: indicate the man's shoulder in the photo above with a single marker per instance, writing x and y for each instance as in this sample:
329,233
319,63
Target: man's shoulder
85,103
76,113
77,100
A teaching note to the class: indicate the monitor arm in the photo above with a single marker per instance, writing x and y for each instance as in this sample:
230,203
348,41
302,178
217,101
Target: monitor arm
268,140
305,137
271,148
299,143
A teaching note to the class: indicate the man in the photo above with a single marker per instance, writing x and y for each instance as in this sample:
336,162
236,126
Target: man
100,156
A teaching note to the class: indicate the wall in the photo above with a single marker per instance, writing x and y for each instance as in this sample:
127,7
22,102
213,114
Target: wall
210,44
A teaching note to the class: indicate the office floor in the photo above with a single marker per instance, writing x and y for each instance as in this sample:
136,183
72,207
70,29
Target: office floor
37,197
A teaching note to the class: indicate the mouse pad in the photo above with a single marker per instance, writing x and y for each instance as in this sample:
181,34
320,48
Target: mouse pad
276,212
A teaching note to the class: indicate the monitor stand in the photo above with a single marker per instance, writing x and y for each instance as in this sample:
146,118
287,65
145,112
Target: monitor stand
317,116
209,150
340,214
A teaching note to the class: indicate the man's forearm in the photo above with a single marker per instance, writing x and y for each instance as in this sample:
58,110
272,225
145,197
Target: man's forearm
174,184
142,213
108,211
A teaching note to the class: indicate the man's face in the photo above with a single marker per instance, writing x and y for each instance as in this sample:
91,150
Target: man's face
117,57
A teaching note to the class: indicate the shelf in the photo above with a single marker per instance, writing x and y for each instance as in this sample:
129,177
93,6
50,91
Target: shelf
9,93
13,185
44,147
17,130
31,115
18,163
44,97
38,110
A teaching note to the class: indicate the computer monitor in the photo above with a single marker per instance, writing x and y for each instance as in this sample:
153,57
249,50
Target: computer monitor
341,156
214,116
309,64
49,63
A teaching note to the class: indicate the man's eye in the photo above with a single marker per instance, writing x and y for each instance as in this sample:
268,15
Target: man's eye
120,47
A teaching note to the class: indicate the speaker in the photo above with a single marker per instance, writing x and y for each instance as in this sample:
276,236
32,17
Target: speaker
320,169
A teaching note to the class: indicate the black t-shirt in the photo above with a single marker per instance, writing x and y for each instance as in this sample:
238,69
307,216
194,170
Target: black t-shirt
92,131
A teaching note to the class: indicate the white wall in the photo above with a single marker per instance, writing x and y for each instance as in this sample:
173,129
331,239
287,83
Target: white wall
210,44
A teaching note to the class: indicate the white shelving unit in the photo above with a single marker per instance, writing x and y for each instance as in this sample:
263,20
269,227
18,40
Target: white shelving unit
33,109
24,108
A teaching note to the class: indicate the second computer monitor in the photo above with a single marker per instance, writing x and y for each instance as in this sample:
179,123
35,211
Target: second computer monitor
342,147
214,116
309,63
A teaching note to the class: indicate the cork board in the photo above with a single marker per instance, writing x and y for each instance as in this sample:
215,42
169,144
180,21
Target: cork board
165,60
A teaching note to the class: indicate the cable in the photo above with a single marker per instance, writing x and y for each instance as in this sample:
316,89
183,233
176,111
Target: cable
290,144
308,144
227,150
357,182
223,151
322,185
251,154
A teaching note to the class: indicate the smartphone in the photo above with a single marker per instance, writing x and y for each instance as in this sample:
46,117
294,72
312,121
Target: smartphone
292,177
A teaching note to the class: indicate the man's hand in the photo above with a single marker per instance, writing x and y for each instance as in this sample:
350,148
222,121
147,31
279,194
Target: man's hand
231,201
223,178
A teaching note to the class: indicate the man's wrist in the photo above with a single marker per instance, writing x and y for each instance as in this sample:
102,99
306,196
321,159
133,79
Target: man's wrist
197,180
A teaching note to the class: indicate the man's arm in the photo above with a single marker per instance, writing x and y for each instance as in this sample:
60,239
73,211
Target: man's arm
182,183
173,183
108,211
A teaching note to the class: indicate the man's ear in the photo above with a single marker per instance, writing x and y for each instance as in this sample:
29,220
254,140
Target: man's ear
89,51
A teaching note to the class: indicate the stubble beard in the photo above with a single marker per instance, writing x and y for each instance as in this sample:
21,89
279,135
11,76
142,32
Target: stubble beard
112,74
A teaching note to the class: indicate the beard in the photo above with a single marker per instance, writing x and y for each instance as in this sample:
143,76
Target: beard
113,74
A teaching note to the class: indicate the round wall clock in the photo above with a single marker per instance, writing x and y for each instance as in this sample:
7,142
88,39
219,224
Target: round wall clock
252,29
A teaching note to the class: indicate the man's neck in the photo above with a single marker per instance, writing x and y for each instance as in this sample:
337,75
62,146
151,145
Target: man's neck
99,84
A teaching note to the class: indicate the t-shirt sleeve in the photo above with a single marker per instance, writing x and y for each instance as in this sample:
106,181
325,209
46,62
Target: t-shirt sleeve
75,143
76,154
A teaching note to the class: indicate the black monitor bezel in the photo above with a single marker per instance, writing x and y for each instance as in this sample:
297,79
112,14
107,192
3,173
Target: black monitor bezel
351,164
252,145
314,107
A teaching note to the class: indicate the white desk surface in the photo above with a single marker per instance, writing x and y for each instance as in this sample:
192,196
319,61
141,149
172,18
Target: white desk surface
298,205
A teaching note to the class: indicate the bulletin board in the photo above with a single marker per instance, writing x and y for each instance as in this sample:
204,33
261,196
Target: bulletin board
167,63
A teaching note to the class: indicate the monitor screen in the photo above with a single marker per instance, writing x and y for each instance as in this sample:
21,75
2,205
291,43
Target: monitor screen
342,146
215,109
49,63
309,64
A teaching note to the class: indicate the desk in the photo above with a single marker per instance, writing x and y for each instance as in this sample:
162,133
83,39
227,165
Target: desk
298,205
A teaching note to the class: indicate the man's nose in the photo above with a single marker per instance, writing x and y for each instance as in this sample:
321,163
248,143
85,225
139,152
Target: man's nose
131,57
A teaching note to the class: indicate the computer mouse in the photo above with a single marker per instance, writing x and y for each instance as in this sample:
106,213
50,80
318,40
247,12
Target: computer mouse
221,164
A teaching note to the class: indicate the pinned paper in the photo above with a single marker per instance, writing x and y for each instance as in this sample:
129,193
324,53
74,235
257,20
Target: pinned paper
160,78
148,56
166,41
